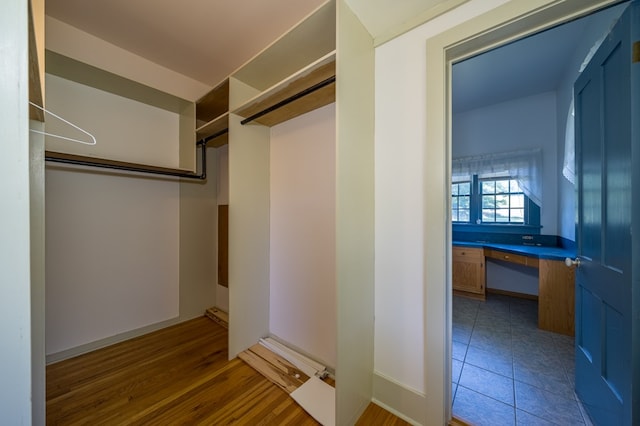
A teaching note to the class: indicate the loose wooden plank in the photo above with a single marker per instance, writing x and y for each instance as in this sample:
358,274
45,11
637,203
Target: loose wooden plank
218,316
268,370
294,373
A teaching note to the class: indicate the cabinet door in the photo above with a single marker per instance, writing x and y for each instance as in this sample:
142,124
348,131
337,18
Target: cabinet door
468,270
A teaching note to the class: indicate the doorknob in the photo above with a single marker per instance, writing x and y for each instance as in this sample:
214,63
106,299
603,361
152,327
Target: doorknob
572,262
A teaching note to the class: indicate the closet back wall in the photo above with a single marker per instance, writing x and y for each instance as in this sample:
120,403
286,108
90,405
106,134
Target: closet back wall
302,243
112,255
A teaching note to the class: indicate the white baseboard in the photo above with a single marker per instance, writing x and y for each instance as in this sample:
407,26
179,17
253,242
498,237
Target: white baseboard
98,344
405,403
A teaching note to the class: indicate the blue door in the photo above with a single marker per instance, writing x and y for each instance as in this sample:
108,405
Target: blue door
608,189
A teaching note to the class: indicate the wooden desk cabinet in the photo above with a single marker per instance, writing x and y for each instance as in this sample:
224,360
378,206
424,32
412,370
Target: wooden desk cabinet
556,297
467,274
556,282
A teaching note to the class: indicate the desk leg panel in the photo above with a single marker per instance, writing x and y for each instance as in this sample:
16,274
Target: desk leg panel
556,298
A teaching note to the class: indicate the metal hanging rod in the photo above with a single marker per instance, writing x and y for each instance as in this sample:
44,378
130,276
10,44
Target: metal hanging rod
213,136
131,167
290,99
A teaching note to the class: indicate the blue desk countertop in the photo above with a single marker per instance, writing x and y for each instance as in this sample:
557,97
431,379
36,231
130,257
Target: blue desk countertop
540,252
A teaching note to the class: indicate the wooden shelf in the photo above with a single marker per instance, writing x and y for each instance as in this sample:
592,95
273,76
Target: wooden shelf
312,38
317,72
214,104
214,126
135,107
36,94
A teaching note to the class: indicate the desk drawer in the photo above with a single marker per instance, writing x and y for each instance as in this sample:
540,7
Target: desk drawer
468,254
510,257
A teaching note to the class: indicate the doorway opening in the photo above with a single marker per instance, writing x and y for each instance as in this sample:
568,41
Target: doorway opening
514,99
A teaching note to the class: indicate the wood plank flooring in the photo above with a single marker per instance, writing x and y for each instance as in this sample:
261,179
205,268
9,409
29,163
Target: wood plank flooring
178,375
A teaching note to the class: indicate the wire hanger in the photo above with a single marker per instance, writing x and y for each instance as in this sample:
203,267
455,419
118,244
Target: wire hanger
93,139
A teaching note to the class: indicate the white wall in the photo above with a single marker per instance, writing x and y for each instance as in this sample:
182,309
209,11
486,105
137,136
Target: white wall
302,243
112,255
524,123
126,253
400,69
125,130
15,256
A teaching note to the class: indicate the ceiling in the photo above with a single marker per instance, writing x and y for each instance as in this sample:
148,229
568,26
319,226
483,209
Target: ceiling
207,40
526,67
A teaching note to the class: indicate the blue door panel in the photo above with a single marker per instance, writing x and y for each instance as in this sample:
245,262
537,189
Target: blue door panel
588,341
617,160
614,372
607,305
588,130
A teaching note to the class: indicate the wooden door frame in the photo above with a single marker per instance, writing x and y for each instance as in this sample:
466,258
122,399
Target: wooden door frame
504,24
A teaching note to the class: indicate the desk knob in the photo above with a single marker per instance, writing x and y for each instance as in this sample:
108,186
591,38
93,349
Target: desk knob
572,262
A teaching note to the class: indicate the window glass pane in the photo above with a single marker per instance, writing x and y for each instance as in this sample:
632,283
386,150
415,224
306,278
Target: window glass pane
488,201
502,201
502,215
502,186
463,202
517,201
517,215
488,187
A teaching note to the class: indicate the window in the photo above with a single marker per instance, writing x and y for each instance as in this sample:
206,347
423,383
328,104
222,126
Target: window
492,201
502,201
461,201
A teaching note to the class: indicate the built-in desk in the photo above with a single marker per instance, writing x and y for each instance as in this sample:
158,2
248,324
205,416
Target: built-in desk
555,280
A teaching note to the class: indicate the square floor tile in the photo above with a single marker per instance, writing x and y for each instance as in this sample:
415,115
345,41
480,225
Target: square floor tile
462,333
500,363
459,350
492,342
487,383
456,369
480,410
547,405
525,419
554,382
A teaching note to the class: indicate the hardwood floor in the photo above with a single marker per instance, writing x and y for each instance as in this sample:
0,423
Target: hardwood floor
178,375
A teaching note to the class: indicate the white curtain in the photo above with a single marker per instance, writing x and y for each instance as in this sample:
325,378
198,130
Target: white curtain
569,165
525,166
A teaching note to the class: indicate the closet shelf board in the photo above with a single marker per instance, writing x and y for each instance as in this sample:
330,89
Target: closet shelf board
216,125
309,76
214,104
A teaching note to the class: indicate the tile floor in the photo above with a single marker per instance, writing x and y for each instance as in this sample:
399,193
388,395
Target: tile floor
505,371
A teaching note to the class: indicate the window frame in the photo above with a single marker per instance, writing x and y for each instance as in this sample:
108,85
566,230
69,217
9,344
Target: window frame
531,210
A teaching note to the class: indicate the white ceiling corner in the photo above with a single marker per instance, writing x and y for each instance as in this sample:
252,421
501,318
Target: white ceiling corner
382,16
